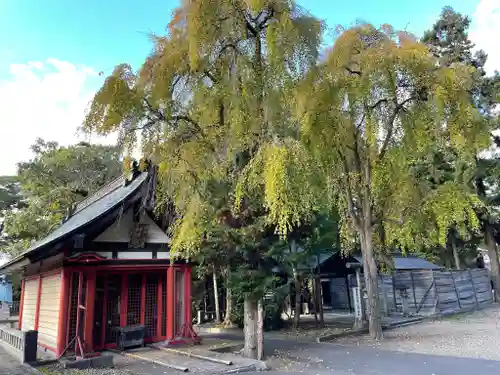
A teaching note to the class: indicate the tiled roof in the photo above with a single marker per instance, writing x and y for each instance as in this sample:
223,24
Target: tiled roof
97,205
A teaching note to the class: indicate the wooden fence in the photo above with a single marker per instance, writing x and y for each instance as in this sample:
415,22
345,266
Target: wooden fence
424,292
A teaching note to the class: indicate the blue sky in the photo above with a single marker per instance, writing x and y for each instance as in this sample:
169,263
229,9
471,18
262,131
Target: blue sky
51,51
101,34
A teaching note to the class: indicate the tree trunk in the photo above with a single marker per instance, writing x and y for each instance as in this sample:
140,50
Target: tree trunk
260,330
370,272
216,298
493,255
229,303
250,328
455,252
319,300
297,300
315,301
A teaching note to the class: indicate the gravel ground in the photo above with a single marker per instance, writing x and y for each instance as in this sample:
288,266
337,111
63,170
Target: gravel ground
473,335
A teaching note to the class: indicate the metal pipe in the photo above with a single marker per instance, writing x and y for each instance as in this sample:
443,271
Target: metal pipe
159,363
194,355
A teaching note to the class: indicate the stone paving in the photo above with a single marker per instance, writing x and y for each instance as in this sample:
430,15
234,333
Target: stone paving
10,365
472,335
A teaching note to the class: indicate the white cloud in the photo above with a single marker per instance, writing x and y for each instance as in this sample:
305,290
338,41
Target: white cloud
43,99
485,32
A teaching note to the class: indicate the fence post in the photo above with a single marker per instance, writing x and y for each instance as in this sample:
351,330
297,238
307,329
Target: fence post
394,292
436,294
456,290
473,288
413,289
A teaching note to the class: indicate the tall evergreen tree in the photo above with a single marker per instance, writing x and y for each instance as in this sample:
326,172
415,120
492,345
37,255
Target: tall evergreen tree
449,41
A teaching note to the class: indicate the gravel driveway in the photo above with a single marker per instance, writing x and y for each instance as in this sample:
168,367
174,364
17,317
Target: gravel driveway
473,335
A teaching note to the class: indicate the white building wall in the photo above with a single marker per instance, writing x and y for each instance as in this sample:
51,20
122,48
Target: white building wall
29,304
48,322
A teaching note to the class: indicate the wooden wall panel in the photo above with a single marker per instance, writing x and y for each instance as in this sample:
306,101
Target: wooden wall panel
48,323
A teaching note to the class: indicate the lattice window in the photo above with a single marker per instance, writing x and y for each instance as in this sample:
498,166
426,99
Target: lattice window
179,301
99,320
151,313
73,303
134,299
164,311
113,307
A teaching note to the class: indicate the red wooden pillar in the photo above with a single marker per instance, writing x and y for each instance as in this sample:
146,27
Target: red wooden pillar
143,299
21,305
38,300
104,312
170,303
89,312
187,296
63,311
159,310
124,301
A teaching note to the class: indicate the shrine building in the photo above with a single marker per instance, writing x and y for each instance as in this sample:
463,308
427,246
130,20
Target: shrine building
106,267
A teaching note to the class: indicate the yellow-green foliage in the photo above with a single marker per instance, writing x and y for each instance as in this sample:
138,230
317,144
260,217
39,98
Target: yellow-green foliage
235,109
213,102
377,106
289,180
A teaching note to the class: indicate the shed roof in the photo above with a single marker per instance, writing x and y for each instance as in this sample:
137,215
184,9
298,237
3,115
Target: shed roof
409,262
89,210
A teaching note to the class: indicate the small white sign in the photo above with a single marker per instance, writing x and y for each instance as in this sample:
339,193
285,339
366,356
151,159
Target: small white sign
358,312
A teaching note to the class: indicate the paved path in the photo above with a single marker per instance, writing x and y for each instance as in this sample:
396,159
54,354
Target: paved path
289,356
9,365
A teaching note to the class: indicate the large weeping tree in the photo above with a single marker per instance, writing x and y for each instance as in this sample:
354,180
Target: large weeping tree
211,100
376,107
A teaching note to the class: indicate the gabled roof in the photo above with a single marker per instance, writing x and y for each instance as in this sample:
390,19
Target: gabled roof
409,262
96,206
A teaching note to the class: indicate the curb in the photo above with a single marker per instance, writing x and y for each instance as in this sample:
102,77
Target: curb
215,330
362,331
249,368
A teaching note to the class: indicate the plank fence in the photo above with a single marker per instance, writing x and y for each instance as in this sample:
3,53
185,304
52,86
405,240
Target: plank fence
424,292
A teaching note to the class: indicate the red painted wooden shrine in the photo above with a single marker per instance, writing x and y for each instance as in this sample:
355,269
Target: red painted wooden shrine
107,266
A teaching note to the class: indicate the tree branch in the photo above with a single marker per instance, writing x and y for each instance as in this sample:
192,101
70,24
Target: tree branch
227,46
350,201
262,25
356,72
384,100
249,26
390,129
210,75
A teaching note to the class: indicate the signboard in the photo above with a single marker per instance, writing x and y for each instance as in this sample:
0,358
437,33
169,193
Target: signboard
358,306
